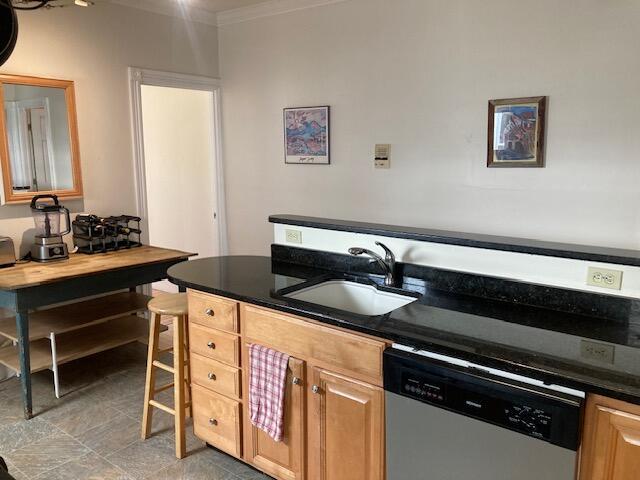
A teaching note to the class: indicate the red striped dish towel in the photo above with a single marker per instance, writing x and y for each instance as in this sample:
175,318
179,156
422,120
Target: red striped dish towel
267,383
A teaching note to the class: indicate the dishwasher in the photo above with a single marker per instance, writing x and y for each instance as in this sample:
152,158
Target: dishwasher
449,419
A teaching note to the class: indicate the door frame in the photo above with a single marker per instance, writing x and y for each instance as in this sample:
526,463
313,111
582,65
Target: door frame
142,76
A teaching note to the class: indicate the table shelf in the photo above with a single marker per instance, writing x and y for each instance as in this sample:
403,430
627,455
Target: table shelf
75,316
80,343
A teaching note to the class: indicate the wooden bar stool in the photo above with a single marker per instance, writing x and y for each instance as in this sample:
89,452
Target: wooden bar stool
174,305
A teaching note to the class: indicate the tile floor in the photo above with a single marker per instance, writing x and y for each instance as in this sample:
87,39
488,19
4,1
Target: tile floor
93,431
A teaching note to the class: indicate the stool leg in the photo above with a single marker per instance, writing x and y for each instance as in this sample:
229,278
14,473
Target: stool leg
178,385
188,367
150,385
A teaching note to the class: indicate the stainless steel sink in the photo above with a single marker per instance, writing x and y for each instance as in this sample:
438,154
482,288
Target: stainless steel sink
352,297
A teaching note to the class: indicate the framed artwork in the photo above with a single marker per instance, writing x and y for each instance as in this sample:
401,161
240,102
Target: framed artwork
306,135
516,132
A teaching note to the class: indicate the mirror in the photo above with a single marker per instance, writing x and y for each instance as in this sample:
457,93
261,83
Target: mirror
39,138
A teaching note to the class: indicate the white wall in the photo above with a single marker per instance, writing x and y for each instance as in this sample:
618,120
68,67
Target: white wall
418,74
94,47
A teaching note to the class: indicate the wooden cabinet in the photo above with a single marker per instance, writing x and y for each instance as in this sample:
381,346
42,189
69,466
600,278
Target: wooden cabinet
346,428
611,440
334,402
285,459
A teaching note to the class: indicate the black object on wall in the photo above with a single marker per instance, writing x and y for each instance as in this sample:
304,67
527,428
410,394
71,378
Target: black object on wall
8,30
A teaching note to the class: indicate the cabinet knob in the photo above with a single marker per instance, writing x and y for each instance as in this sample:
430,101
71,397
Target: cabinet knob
213,422
211,345
209,312
315,389
296,381
211,376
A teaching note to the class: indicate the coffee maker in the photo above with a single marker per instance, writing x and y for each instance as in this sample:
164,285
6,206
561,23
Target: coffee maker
48,244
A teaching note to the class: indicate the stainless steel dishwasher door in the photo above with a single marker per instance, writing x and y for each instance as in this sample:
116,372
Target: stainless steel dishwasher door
425,442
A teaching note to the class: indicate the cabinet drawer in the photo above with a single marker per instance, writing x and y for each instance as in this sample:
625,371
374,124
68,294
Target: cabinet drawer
212,311
214,344
327,346
216,420
215,376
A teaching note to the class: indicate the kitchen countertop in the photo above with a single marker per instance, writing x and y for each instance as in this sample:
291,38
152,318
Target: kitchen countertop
542,343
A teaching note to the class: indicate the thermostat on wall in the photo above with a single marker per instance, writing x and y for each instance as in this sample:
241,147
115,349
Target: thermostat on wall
382,155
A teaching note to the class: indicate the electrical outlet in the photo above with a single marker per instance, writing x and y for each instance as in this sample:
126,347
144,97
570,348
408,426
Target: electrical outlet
293,236
600,352
604,278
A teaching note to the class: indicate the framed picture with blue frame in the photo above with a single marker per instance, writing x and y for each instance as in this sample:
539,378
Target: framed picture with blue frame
306,135
516,132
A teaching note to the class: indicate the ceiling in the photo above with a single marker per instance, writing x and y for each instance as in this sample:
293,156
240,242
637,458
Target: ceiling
220,5
212,6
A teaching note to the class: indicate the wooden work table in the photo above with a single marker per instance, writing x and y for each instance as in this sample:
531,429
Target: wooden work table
29,286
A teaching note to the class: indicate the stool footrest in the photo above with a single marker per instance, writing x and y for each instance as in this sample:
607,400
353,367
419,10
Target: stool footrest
163,388
163,366
159,405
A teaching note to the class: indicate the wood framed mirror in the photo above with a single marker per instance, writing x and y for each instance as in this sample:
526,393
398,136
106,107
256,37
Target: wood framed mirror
39,148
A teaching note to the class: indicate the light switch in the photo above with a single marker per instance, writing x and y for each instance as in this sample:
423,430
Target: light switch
382,156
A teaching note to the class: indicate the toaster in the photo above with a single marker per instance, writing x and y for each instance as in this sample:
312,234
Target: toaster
7,252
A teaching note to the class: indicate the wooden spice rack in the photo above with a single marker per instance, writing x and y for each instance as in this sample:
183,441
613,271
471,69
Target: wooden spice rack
61,334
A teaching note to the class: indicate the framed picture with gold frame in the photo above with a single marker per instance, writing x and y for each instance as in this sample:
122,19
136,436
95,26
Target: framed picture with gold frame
516,132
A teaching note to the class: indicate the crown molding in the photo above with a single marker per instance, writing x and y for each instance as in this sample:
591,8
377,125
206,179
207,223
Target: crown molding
171,9
268,9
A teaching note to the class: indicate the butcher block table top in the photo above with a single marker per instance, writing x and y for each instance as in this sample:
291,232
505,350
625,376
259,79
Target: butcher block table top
32,274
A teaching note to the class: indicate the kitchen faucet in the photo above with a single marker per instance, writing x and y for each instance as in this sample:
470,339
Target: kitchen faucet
387,263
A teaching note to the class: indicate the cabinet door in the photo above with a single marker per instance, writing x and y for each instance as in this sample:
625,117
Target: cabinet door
283,460
346,428
611,441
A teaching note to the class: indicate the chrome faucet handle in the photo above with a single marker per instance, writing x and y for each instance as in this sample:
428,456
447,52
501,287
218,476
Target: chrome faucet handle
389,257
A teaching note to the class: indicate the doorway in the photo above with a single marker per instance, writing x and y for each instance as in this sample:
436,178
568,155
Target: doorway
179,174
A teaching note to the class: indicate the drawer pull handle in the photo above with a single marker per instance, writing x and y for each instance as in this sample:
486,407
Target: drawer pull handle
213,422
209,312
315,389
296,381
211,345
211,376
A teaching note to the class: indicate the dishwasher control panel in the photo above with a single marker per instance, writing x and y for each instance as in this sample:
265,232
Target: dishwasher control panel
535,421
473,393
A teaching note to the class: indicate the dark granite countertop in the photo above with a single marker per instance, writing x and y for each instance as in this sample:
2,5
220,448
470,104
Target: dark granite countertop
539,342
510,244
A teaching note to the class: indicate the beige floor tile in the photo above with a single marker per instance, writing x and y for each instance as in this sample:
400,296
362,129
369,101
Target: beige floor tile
76,416
141,458
88,467
22,433
46,454
238,468
116,433
200,466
